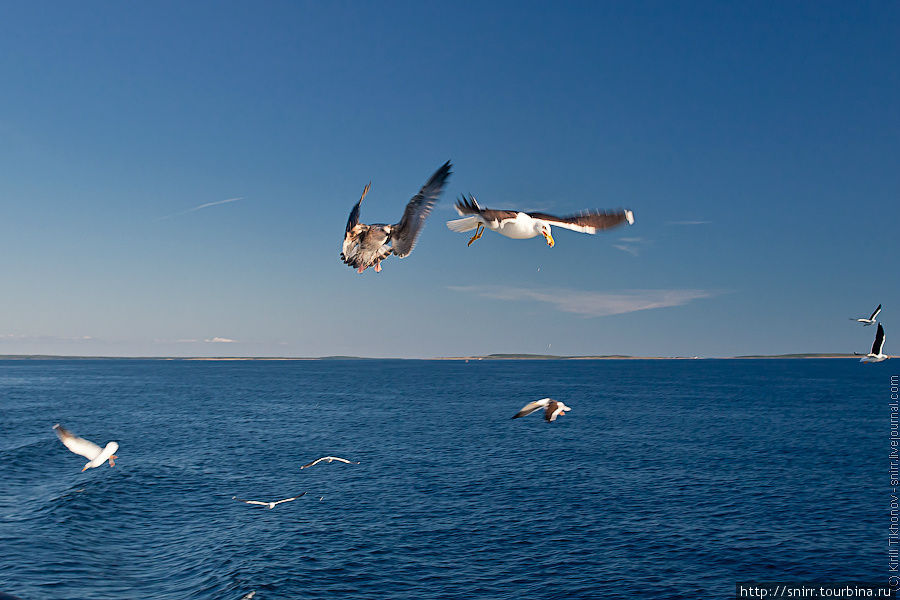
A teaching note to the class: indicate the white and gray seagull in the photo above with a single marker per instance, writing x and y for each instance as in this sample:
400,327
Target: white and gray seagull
329,459
367,245
876,355
520,225
271,505
552,409
95,454
871,320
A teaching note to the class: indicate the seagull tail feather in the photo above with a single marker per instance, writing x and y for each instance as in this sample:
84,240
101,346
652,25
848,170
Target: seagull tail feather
464,224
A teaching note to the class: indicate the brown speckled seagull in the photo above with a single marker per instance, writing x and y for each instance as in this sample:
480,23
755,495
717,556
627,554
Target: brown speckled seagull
367,245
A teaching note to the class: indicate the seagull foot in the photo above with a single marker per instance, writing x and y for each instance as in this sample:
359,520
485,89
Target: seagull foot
112,460
378,267
360,269
479,229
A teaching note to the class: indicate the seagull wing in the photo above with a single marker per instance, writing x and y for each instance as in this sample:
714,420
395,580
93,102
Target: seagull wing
250,501
78,445
314,463
531,407
879,340
404,233
291,499
353,231
875,314
343,460
469,206
586,222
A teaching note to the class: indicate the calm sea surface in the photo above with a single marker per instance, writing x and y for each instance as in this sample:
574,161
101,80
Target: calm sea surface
669,479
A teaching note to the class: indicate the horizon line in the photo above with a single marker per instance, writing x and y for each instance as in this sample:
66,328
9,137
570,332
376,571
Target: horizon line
493,356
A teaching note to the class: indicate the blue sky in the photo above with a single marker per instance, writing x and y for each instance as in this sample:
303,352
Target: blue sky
757,144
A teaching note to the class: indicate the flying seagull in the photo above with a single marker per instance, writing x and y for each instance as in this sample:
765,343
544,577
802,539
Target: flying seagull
552,409
870,320
95,454
329,459
521,225
269,504
367,245
875,355
248,596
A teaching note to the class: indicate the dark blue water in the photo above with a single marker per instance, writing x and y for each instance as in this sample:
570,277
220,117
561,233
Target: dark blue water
669,479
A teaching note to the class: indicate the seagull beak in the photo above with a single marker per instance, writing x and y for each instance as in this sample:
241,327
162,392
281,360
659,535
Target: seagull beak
84,469
549,239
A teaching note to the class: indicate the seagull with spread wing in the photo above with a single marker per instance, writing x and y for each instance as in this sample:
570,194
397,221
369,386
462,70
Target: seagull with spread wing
522,225
871,320
876,354
329,459
271,505
552,409
367,245
95,454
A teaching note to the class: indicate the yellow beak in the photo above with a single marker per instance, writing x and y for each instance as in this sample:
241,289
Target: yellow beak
549,239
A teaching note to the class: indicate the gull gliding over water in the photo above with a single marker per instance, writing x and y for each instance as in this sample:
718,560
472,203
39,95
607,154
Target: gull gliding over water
95,454
367,245
521,225
870,320
271,505
552,409
875,355
329,459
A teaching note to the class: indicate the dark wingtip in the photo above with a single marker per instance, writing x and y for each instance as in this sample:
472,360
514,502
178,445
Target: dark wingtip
443,172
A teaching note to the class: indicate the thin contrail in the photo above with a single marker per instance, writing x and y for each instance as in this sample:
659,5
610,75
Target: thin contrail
207,205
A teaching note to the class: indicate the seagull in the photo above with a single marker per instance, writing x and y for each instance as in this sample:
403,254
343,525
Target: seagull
521,225
552,409
329,459
367,245
271,505
870,320
875,355
95,454
248,596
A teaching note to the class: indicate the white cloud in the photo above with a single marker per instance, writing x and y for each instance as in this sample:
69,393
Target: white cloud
630,245
200,207
46,338
591,304
219,340
629,249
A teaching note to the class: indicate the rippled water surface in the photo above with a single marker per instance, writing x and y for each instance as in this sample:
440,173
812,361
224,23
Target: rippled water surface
669,479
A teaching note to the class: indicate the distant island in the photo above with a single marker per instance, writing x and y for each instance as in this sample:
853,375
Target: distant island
629,357
465,358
